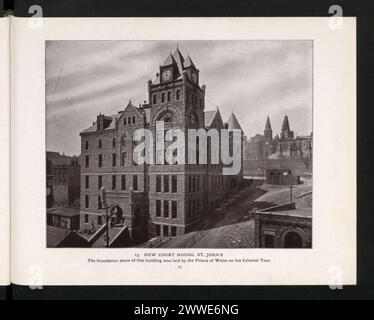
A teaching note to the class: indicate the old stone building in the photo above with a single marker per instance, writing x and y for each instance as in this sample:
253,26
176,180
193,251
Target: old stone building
63,179
283,226
153,199
282,146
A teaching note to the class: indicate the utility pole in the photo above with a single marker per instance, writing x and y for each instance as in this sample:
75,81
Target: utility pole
291,193
104,204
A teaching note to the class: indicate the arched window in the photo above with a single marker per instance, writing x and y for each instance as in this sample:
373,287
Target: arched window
178,94
133,120
201,102
169,96
129,120
123,140
100,143
86,145
192,119
124,121
163,97
154,99
114,142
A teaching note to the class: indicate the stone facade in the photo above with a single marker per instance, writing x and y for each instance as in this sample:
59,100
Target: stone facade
283,226
153,199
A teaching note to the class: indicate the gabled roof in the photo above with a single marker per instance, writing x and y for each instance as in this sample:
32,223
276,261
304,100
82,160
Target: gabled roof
179,60
209,116
177,55
169,60
114,117
93,128
233,123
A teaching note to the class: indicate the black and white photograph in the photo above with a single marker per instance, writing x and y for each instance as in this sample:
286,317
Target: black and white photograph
179,144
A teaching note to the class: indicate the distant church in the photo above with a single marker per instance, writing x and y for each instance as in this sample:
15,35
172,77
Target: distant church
153,200
283,146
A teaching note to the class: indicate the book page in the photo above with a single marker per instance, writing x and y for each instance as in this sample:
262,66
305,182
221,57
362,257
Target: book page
4,152
110,184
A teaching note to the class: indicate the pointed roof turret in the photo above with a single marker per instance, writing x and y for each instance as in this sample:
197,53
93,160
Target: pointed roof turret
169,60
285,125
178,58
268,125
189,62
233,123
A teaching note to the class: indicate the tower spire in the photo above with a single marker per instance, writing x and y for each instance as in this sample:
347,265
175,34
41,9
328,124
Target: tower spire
268,124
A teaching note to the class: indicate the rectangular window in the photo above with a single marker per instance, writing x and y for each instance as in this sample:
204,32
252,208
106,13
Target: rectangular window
87,161
100,182
174,184
165,230
123,182
158,230
114,180
114,159
135,182
86,218
158,183
190,183
193,183
99,204
198,183
158,208
173,231
87,182
173,209
86,201
123,158
166,183
100,160
166,209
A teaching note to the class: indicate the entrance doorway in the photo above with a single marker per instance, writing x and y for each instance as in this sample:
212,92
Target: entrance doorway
293,240
116,215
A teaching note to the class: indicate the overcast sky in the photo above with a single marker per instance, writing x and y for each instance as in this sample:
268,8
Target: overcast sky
252,78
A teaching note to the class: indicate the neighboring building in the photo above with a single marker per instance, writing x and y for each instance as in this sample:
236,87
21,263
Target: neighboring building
67,218
63,179
153,200
281,177
283,226
283,146
64,238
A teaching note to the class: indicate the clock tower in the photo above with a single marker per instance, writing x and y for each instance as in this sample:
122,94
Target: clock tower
177,89
177,100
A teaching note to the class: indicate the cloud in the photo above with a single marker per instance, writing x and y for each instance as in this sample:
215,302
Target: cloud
252,78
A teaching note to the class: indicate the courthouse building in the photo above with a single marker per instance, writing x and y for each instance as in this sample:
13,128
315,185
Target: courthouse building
153,199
